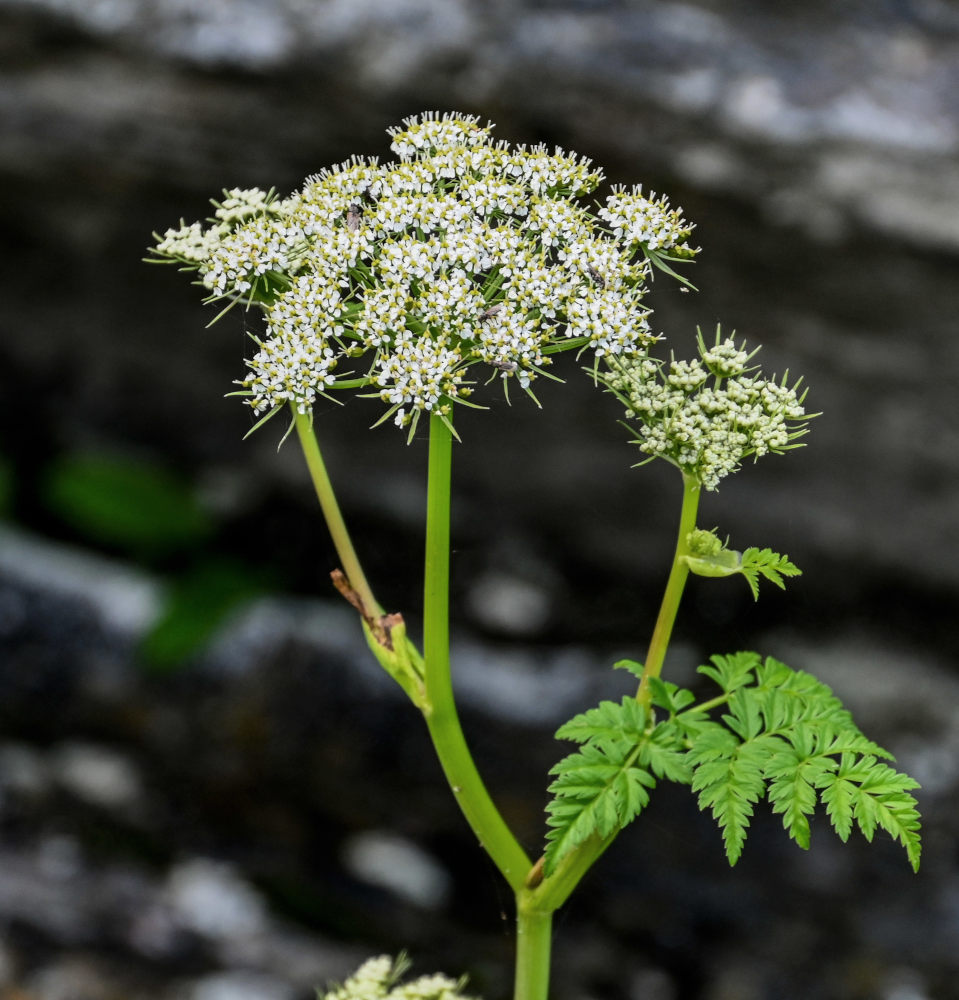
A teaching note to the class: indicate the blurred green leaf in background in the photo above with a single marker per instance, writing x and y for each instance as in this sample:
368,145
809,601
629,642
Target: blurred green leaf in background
148,513
198,603
127,504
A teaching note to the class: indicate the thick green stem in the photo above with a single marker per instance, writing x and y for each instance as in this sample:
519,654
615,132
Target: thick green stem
663,628
440,711
331,512
534,930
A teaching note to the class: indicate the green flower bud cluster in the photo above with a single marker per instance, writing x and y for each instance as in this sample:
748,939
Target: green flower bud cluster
462,252
702,542
706,415
376,979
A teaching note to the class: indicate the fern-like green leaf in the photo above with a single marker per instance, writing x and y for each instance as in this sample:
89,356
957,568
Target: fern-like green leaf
729,779
745,717
636,669
785,736
606,783
708,556
664,753
598,790
877,796
608,720
782,735
771,565
838,797
732,671
793,775
668,696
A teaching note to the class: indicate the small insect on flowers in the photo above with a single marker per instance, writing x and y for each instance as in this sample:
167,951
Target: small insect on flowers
353,216
487,314
598,279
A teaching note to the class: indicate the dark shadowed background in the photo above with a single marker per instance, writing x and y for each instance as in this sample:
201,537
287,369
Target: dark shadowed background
207,790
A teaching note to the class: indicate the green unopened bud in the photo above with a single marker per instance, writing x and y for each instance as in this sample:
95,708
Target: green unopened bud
704,543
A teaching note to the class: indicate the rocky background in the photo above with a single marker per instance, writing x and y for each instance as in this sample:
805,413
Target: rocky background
207,790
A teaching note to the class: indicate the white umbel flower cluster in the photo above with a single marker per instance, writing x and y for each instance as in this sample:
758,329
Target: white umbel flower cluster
461,252
705,416
649,221
194,244
377,979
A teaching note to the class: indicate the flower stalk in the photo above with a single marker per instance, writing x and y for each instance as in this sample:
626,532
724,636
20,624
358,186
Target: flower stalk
440,712
356,578
675,584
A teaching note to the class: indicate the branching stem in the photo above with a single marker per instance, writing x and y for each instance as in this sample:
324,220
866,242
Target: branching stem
538,898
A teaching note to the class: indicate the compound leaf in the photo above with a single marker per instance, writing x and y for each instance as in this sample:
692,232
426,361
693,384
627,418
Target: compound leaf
783,736
786,737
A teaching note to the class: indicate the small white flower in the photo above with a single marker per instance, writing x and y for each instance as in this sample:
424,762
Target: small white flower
241,204
370,981
440,133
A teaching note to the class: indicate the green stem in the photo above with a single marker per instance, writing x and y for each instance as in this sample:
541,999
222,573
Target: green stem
663,628
554,890
707,706
331,512
533,939
440,711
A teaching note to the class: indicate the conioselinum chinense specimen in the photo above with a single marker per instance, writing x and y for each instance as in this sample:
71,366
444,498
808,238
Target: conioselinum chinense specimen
466,261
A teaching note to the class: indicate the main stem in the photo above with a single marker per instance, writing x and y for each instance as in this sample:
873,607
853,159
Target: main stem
331,512
441,716
534,934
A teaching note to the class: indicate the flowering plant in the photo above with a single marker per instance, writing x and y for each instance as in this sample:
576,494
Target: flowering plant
466,260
